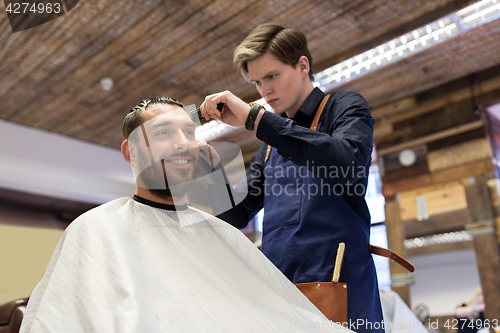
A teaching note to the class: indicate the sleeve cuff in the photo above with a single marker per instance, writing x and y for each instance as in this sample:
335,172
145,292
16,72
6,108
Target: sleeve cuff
270,126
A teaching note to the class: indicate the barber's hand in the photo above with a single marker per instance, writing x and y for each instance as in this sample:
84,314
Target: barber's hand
235,112
210,153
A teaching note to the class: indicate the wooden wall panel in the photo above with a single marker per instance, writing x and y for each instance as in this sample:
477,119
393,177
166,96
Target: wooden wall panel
466,170
391,189
448,198
467,152
406,172
438,223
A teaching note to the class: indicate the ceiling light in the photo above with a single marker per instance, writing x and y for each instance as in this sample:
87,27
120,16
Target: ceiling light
420,39
450,237
407,157
106,83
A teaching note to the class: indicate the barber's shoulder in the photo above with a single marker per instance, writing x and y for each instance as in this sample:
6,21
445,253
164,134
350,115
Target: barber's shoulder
340,95
349,101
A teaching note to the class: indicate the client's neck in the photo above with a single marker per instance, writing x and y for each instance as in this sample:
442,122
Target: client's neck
168,200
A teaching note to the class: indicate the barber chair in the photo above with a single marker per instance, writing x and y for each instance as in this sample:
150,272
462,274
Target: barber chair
11,315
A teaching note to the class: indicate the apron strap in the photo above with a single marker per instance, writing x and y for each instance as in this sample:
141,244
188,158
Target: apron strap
314,124
392,255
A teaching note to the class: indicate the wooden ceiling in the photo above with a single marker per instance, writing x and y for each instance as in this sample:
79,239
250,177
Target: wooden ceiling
49,75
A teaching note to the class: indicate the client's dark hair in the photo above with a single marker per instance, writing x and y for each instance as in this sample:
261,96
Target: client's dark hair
132,119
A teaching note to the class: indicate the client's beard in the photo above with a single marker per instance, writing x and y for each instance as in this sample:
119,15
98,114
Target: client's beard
161,179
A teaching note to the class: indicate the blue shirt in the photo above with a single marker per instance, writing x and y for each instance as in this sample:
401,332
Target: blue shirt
340,150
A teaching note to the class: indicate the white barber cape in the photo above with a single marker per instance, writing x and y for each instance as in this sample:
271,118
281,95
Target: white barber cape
128,267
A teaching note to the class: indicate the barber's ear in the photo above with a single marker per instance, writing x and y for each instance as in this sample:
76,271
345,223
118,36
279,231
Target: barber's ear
304,65
127,151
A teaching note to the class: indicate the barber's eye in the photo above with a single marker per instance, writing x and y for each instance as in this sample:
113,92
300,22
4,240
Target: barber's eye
163,132
272,76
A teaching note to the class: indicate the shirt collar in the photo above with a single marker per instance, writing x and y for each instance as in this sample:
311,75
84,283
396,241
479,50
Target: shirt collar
155,204
312,103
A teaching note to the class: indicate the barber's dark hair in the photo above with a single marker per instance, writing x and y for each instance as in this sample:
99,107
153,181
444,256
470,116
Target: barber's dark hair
132,119
286,44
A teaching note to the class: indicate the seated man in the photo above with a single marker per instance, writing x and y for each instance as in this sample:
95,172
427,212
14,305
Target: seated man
149,263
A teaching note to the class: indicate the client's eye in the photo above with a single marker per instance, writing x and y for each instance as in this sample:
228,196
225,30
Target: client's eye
162,132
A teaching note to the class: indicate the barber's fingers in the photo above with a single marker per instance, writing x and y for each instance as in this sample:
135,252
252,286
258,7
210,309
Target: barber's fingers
209,107
230,101
213,101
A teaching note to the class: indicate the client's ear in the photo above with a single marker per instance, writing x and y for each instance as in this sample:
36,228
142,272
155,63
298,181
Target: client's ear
126,148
